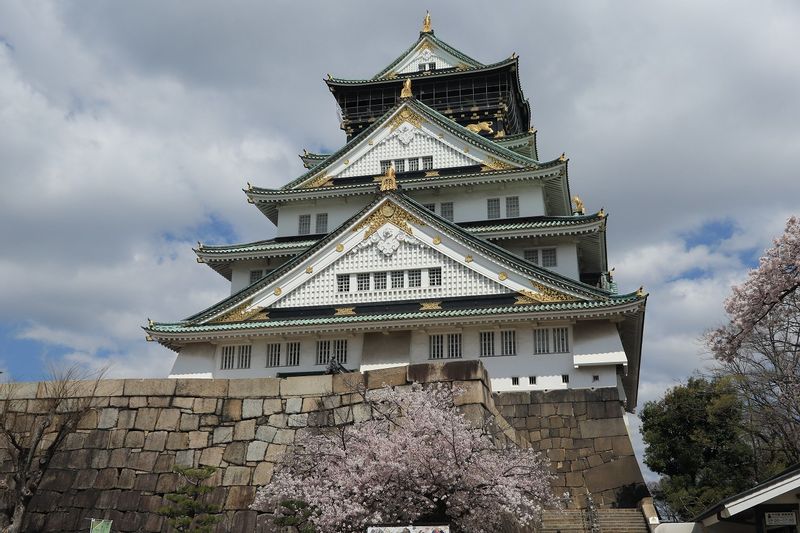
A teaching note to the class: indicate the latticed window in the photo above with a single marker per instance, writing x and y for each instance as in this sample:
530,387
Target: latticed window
541,340
413,164
397,279
435,277
304,225
228,357
255,275
493,207
487,343
532,256
292,354
342,282
274,354
399,165
427,162
512,206
415,278
430,207
454,345
380,281
549,257
436,346
321,223
362,281
560,340
385,164
446,209
340,350
508,342
243,356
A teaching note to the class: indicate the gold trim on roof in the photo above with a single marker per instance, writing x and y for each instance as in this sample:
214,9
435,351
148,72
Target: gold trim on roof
345,311
340,247
323,180
430,306
240,314
492,163
277,291
405,115
388,213
546,294
389,180
502,276
309,269
405,92
437,240
426,23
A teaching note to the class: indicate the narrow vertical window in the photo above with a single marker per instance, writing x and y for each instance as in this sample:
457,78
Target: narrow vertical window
549,257
292,354
446,209
541,341
255,275
321,223
380,281
398,278
274,354
564,378
362,281
304,225
515,381
243,360
436,346
493,207
454,345
487,343
427,162
342,282
532,256
435,277
531,380
512,206
415,278
340,350
228,354
561,340
323,352
508,342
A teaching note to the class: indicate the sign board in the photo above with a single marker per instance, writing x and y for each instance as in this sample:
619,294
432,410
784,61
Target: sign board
100,526
409,529
785,518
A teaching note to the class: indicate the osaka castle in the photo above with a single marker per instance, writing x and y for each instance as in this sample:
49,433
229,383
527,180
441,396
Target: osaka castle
436,232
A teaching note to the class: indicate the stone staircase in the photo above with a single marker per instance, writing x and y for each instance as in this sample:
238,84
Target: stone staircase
608,521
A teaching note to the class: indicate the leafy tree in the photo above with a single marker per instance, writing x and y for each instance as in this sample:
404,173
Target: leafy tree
188,511
415,456
30,441
694,438
760,349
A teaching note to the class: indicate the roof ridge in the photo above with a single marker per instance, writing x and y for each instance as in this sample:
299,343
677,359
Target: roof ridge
423,36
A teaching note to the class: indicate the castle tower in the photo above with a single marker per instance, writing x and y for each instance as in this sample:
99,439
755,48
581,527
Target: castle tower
434,233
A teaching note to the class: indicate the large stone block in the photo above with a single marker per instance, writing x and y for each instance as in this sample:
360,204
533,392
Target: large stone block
306,386
272,406
263,473
211,456
256,450
198,439
384,377
189,422
236,475
244,430
155,441
208,388
235,453
613,475
222,435
467,370
177,440
254,388
205,405
611,427
149,387
168,419
252,408
231,410
240,497
146,418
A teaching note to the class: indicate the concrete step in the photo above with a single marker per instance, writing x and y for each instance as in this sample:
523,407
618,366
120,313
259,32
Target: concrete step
608,520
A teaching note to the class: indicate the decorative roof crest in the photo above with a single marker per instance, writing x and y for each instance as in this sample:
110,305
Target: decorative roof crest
389,180
390,213
426,23
405,92
579,207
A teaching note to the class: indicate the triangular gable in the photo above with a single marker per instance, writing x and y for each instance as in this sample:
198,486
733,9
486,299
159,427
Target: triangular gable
412,130
428,49
363,239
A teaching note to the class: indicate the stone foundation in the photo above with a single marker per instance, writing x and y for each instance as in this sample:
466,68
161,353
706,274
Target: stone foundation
118,464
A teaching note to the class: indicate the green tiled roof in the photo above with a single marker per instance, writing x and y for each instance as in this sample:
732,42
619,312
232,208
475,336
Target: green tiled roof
258,246
539,223
443,45
435,117
424,74
186,327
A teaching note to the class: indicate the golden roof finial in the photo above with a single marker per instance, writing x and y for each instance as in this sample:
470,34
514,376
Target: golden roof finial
640,292
513,55
602,212
563,156
150,323
406,90
389,180
579,207
426,23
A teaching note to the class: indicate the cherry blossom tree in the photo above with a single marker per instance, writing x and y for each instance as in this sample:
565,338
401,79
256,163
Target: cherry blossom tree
414,457
760,348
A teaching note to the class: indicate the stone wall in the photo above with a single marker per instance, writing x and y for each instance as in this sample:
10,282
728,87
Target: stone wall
118,464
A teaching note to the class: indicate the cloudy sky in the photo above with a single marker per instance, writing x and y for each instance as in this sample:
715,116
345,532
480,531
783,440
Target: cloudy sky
127,131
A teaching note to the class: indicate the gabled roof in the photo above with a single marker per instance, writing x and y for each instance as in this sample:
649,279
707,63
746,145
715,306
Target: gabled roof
428,37
310,160
547,278
503,154
339,82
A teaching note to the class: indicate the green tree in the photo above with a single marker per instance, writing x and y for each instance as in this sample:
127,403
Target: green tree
694,439
188,511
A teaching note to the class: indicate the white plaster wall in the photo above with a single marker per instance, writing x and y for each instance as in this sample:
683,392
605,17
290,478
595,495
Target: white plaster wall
548,369
338,209
240,271
566,254
469,204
